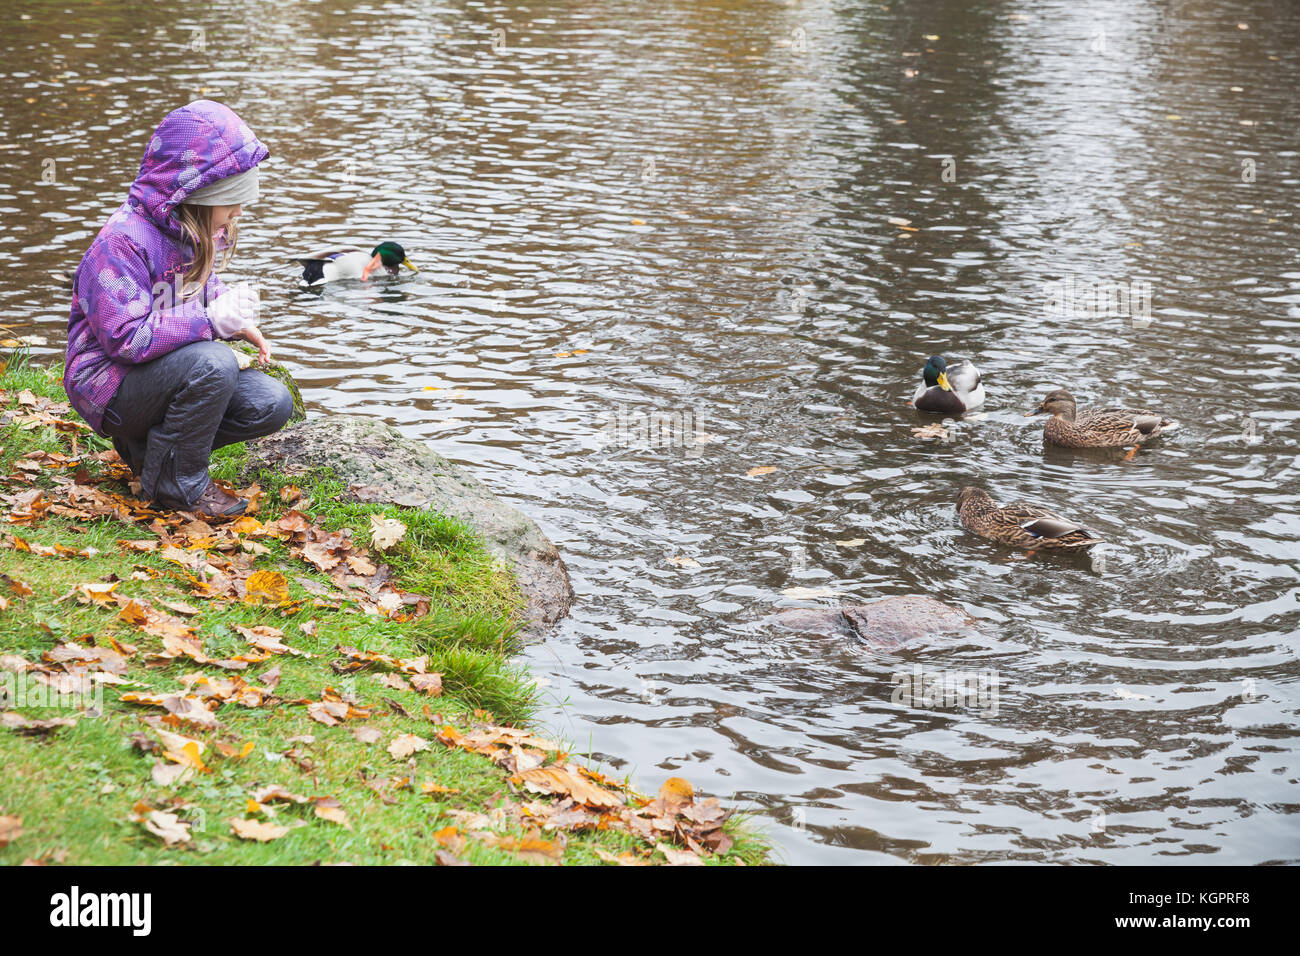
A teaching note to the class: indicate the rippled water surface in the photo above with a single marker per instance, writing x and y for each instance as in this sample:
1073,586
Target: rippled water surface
735,216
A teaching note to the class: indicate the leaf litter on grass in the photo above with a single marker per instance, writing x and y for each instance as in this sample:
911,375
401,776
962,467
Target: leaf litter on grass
216,560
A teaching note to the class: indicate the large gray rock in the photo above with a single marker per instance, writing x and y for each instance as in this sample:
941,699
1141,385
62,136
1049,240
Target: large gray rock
393,469
888,623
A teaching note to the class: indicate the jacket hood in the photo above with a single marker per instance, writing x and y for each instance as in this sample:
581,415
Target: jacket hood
192,147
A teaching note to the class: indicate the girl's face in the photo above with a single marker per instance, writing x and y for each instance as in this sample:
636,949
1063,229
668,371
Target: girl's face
222,216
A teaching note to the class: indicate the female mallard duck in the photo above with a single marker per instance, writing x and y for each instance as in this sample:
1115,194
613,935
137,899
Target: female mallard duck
1021,525
949,391
1096,427
351,263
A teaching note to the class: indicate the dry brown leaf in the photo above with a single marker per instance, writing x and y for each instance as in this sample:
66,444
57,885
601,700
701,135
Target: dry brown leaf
933,430
229,750
626,858
266,638
96,592
385,532
367,735
11,828
393,681
180,708
328,808
320,556
678,857
274,792
289,524
182,749
168,827
530,849
170,774
430,684
676,792
180,607
362,565
19,588
406,744
257,830
14,721
562,781
429,787
328,712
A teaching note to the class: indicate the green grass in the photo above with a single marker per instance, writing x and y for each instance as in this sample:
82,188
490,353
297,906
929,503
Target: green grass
439,556
75,788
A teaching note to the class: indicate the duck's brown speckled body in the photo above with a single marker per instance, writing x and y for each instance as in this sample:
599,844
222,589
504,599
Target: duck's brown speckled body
1097,427
1021,525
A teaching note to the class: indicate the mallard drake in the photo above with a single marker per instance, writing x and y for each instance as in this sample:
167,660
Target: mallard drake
948,391
351,263
1096,427
1021,525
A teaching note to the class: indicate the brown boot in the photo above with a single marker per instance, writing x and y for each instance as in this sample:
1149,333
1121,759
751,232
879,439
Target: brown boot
217,503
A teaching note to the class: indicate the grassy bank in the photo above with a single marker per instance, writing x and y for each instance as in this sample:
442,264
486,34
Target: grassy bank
250,692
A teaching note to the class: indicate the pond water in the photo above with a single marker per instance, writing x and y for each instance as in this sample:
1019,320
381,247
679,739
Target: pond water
747,224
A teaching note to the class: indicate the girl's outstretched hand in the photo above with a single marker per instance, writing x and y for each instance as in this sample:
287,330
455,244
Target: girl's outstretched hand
252,334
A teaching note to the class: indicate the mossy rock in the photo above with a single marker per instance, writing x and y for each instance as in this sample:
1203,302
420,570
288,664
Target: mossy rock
379,463
277,372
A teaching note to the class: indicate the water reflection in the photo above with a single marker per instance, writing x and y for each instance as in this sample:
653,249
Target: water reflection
740,210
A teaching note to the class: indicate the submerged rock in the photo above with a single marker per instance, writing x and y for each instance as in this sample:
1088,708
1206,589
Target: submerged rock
888,623
384,466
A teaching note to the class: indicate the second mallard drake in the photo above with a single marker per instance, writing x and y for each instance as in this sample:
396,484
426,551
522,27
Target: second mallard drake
948,390
1096,427
330,265
1021,525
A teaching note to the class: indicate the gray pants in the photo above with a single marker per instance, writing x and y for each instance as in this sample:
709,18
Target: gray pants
170,413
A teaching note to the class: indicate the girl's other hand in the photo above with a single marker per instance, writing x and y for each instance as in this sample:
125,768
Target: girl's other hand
253,335
235,309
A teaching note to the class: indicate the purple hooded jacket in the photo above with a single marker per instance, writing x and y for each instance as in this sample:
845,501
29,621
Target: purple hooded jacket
125,309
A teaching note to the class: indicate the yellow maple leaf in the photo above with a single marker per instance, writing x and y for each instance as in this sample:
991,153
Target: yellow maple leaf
270,587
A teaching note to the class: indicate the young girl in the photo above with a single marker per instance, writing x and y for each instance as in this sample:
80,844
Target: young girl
142,365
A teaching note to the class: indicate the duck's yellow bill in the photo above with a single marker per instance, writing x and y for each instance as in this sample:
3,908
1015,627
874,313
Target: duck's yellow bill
409,265
943,382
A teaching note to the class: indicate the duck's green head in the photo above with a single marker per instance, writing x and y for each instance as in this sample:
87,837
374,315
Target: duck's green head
392,255
935,373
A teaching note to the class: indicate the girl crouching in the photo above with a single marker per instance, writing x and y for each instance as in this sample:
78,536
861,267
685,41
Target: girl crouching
143,364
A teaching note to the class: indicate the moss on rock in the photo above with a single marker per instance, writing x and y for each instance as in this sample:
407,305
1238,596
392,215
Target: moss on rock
277,372
377,463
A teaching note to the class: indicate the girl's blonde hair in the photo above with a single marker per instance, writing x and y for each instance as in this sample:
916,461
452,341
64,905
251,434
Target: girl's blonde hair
196,222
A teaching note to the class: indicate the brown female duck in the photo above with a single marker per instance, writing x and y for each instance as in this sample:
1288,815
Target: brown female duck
1097,427
1021,525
